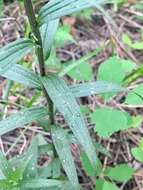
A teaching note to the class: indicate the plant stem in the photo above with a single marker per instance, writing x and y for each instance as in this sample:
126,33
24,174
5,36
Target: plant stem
34,27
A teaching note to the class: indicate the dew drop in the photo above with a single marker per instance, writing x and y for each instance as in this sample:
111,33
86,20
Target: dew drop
92,92
78,115
63,161
13,169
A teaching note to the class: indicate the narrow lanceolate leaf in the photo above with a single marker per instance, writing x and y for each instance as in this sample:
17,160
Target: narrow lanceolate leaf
92,88
13,52
62,146
41,183
28,78
22,75
4,166
58,8
66,103
24,117
32,153
48,32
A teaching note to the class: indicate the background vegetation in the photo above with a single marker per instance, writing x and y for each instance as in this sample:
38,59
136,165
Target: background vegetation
88,62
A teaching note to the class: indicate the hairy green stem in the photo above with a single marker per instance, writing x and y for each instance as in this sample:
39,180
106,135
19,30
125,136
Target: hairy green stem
35,29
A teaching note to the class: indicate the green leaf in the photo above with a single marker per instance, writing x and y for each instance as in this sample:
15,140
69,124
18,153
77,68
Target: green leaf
85,109
111,65
28,78
5,185
53,62
109,120
48,32
99,184
13,52
136,121
62,146
135,45
85,14
82,72
134,75
109,186
22,75
134,97
120,173
25,116
45,172
17,170
53,169
101,149
56,168
75,64
1,7
66,103
32,153
92,88
89,168
1,175
4,165
141,144
118,67
104,185
58,8
87,165
127,65
63,36
41,183
137,153
126,39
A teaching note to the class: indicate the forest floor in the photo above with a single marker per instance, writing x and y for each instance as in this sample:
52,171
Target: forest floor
89,34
